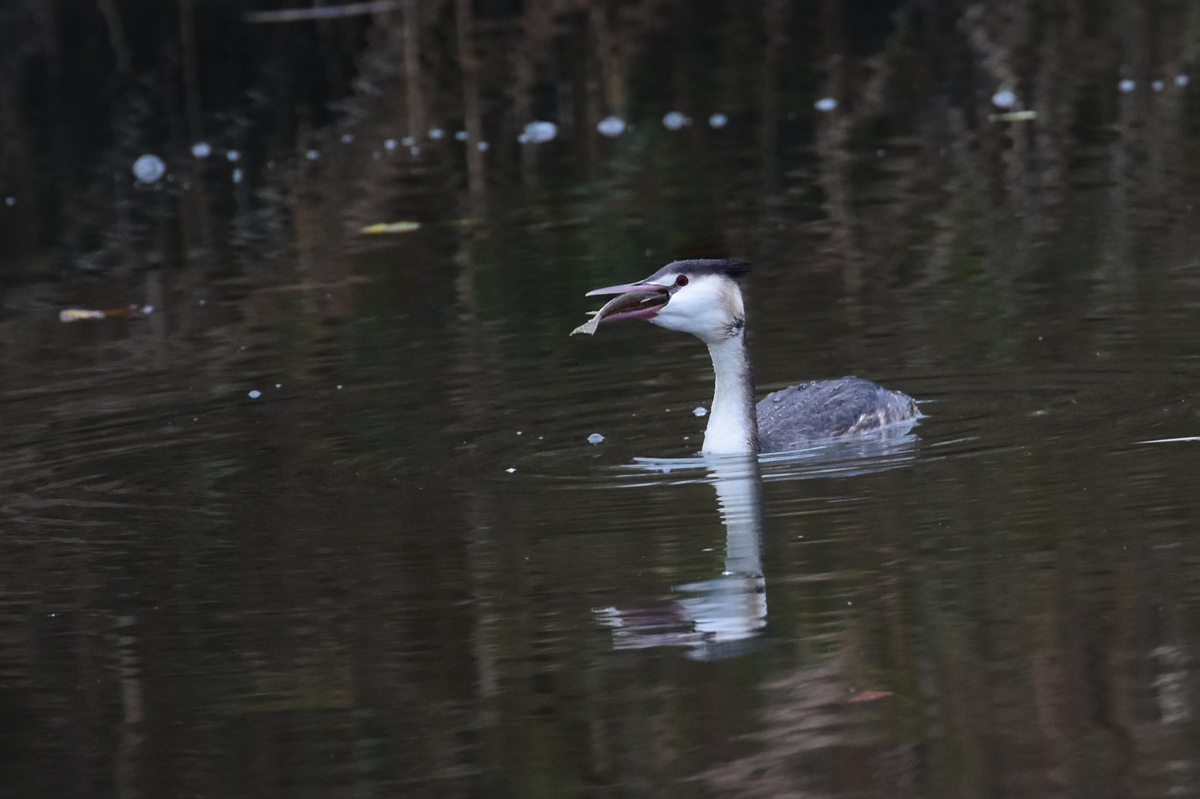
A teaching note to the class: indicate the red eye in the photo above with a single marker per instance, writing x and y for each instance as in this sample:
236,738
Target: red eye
681,281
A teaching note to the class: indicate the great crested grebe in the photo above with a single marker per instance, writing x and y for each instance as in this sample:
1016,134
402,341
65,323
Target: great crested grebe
703,298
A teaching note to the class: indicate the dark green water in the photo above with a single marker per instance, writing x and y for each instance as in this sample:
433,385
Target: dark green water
400,568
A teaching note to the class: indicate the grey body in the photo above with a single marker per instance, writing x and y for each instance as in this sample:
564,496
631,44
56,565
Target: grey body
800,415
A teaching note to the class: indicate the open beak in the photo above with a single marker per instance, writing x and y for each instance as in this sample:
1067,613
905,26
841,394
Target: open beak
633,301
624,288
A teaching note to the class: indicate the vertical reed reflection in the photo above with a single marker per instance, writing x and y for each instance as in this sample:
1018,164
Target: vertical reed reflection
774,33
414,91
469,65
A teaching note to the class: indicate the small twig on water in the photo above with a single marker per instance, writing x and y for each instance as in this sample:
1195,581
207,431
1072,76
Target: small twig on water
323,12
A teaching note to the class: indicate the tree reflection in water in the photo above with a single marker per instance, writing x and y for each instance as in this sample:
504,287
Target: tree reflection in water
326,585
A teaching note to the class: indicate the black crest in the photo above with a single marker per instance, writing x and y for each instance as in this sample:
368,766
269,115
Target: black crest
704,266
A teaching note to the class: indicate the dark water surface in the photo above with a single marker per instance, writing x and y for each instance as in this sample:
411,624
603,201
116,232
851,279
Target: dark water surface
327,521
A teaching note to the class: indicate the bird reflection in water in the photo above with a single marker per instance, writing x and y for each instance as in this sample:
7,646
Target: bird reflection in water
726,615
722,616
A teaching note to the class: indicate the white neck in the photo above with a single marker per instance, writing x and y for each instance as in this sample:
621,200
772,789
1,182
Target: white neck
732,423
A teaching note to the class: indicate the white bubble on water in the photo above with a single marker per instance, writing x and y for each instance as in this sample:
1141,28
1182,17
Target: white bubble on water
538,133
149,168
674,120
255,394
611,126
201,149
718,120
312,155
702,411
1182,80
826,104
461,135
595,438
237,176
347,138
1004,99
1157,85
233,156
389,144
1127,85
436,134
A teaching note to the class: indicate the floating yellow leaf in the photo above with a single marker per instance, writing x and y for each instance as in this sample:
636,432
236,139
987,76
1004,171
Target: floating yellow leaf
81,314
392,227
1014,116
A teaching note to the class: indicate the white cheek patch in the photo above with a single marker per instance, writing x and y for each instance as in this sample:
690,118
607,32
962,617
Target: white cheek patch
708,307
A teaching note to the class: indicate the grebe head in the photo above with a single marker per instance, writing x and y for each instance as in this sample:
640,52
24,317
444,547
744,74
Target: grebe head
701,297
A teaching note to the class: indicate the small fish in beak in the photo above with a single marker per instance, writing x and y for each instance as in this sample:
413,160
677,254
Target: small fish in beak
634,301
